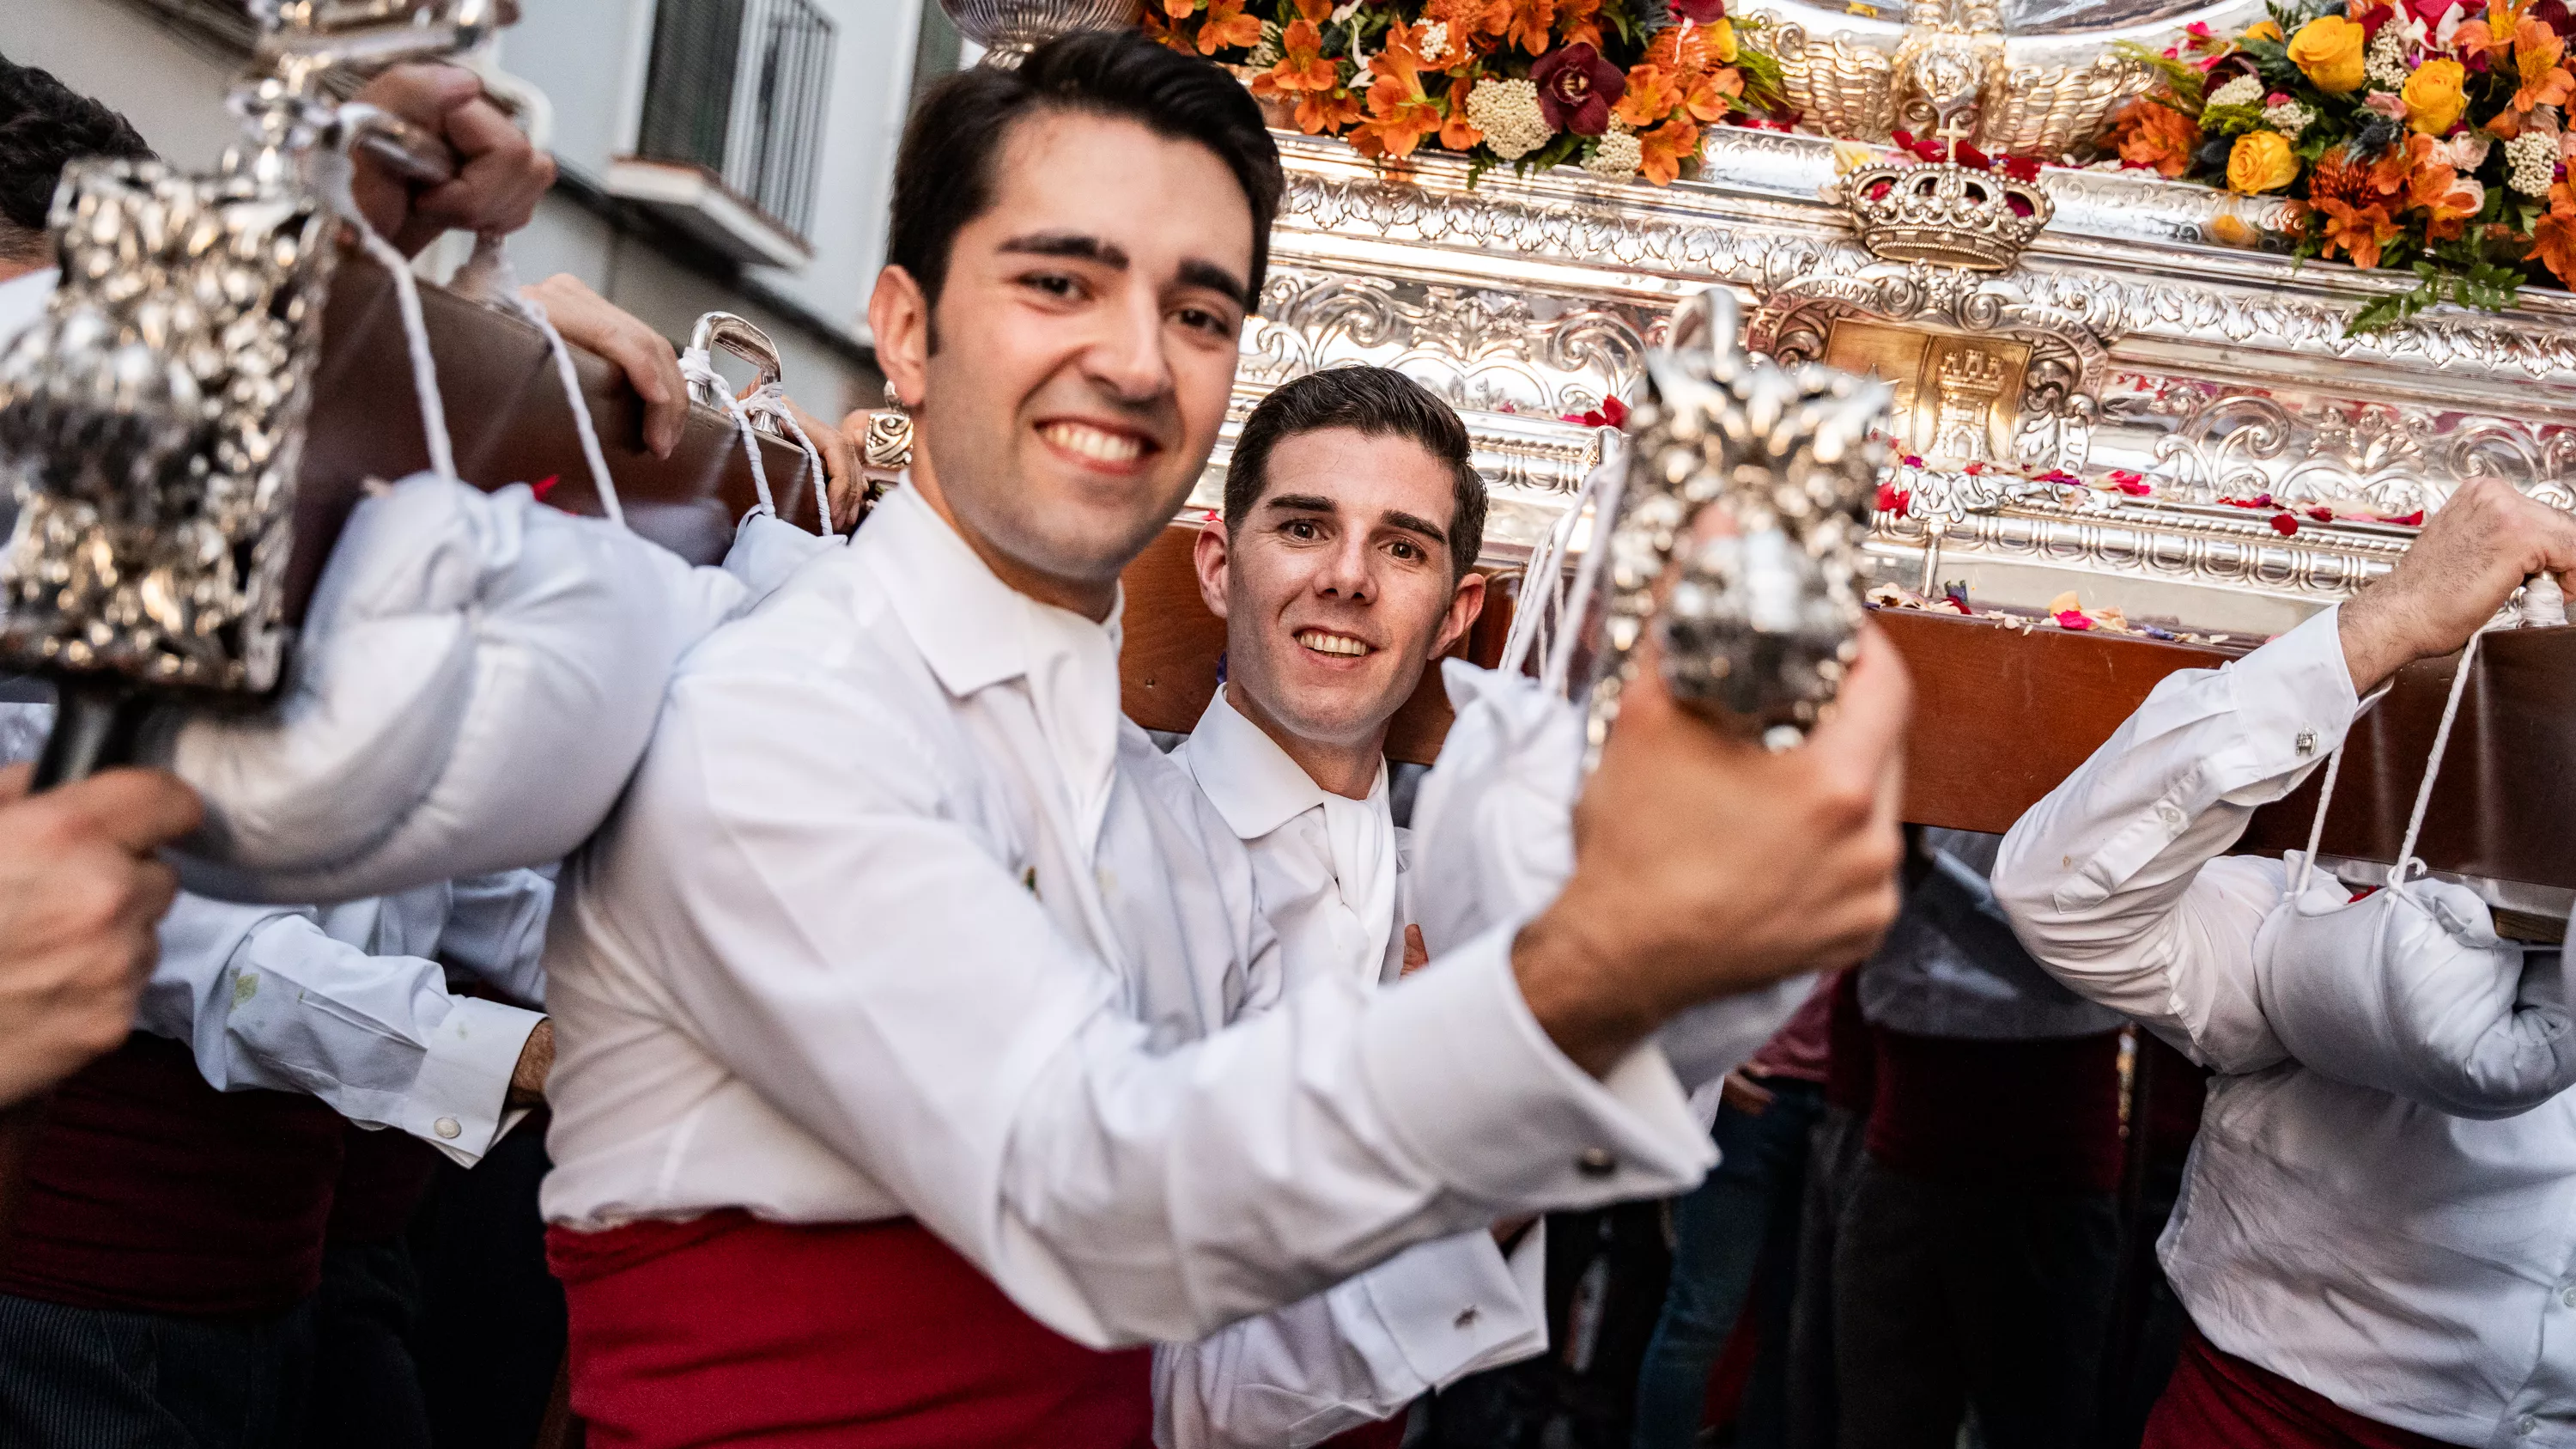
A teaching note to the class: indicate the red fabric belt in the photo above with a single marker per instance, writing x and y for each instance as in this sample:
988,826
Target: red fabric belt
2216,1400
148,1191
2035,1116
729,1331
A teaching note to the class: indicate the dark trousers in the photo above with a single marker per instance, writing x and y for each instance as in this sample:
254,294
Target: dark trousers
1950,1296
366,1387
1834,1154
492,1319
1734,1235
89,1378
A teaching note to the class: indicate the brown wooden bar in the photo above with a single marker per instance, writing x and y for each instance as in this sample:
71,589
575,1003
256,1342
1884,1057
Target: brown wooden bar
2002,714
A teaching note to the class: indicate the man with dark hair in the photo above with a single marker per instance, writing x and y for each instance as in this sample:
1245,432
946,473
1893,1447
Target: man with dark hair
1345,564
44,126
900,1079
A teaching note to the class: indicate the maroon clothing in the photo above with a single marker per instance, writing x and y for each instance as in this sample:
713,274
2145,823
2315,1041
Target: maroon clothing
383,1176
2216,1400
148,1191
2034,1116
1803,1046
727,1330
2176,1088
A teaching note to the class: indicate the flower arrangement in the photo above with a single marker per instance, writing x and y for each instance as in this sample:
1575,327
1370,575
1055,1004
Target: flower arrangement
2421,134
1621,87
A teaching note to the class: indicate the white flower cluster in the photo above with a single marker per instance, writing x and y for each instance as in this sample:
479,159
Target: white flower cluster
1435,42
1617,156
2385,68
2289,118
2532,159
2245,90
1507,112
1266,54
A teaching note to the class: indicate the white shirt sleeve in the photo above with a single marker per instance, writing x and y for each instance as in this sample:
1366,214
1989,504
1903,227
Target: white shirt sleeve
990,1080
2112,881
496,932
265,999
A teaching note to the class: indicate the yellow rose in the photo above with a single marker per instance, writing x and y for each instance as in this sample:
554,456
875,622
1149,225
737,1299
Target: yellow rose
2330,49
1720,35
2263,30
2432,96
2261,161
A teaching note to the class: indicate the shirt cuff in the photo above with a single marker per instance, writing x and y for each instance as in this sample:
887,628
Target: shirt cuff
457,1103
1454,1306
2294,702
1469,1081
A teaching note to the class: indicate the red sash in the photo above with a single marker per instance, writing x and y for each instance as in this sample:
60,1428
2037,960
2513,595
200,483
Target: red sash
2216,1400
729,1331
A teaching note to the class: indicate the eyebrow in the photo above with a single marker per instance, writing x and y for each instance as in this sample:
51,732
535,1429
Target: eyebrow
1392,518
1077,246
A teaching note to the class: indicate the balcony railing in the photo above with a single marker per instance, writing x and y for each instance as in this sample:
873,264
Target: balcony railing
737,89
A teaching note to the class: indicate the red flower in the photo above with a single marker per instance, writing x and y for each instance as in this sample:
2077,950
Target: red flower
2284,524
1577,88
2407,520
1700,12
1911,461
1970,156
2259,500
1611,414
1892,499
2072,619
1957,596
544,486
2022,168
2322,515
2060,475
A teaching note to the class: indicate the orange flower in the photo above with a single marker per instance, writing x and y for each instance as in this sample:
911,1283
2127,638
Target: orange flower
1530,24
2536,49
1400,115
1302,65
1180,9
1466,18
1710,97
1652,94
1226,27
1683,50
2562,201
1317,11
2553,241
2150,134
1578,21
1458,133
1328,113
1663,150
2357,231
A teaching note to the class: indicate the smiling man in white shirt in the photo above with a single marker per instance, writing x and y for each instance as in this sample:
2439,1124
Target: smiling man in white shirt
896,1085
1343,566
2368,1257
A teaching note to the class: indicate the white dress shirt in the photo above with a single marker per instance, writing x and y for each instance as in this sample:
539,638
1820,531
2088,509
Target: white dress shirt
2414,1267
352,1003
899,917
1330,873
23,300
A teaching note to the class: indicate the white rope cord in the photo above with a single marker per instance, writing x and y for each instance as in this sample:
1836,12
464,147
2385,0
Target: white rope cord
2317,827
770,400
2397,874
1542,592
695,367
1587,575
489,278
332,171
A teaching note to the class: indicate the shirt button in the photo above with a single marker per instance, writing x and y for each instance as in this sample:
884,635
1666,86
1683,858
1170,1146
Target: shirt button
2568,1297
1466,1317
2526,1425
446,1127
2170,814
1596,1162
2307,742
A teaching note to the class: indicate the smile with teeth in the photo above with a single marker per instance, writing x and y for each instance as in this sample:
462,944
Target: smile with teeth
1097,444
1325,643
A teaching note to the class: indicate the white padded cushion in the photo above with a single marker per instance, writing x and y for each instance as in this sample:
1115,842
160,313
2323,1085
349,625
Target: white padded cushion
477,676
2410,991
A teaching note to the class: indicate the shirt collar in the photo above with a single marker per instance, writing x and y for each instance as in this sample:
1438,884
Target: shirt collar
1252,782
972,629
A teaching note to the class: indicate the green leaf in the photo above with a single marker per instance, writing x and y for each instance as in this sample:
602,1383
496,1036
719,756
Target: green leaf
2231,120
2183,79
1764,87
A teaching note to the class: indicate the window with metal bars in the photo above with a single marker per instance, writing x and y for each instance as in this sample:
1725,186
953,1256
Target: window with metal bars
738,88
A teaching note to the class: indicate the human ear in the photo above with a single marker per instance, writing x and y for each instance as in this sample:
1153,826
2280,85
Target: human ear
899,315
1208,557
1465,604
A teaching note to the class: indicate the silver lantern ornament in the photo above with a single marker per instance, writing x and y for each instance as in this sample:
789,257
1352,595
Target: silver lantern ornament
1758,479
1009,29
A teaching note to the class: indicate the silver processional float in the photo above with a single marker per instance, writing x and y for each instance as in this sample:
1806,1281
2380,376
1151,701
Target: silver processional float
152,424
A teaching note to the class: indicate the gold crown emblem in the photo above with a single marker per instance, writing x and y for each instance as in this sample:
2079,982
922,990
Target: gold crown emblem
1944,213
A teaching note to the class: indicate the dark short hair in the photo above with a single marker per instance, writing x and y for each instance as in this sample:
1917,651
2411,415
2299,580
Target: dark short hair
1378,402
943,177
45,125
